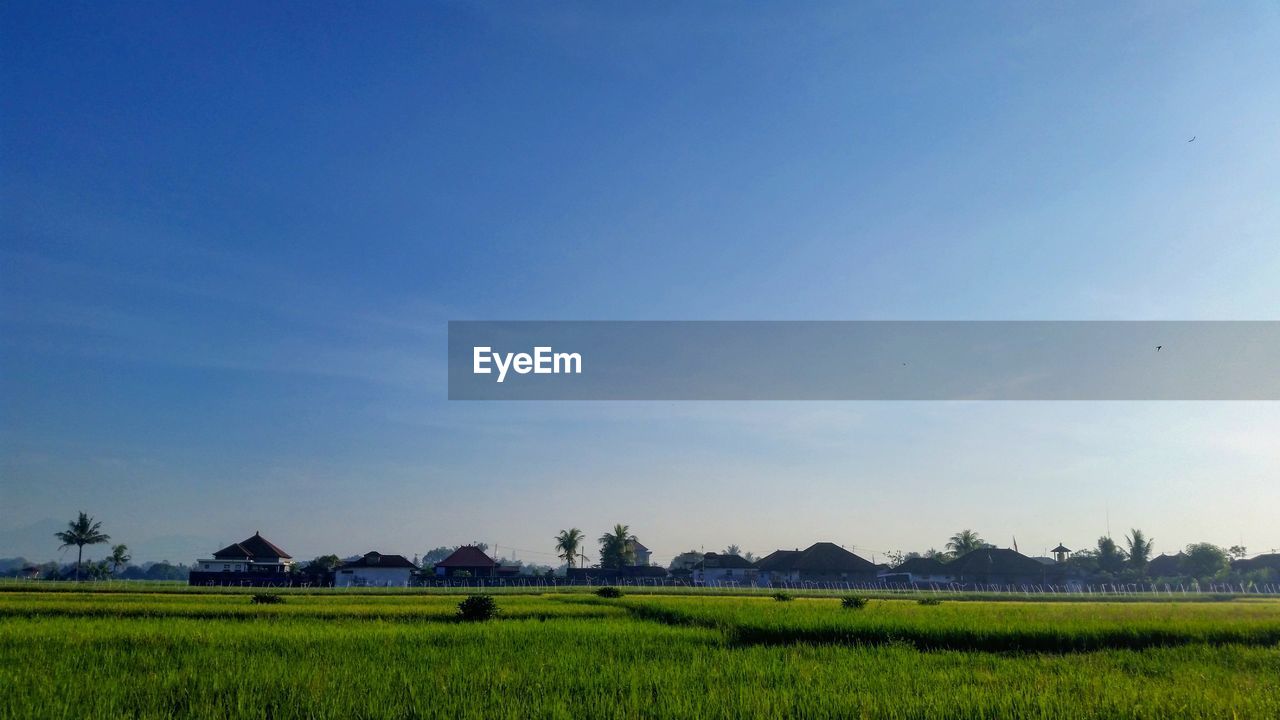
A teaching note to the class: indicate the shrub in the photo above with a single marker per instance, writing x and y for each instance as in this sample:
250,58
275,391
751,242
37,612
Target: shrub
478,607
267,599
853,602
783,597
929,601
609,592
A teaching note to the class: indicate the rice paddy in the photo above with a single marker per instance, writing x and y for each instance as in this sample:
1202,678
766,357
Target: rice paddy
574,655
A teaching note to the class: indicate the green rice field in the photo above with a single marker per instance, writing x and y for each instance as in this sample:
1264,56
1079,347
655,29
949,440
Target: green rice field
574,655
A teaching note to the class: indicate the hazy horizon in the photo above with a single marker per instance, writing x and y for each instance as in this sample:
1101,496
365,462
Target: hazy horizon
229,250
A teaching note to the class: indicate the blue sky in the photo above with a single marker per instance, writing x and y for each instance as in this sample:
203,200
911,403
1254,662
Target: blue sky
231,236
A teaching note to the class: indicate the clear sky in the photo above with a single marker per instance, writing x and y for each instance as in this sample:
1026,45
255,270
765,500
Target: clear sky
231,236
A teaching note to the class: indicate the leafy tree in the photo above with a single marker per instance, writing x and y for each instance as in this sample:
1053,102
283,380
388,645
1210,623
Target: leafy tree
733,550
326,562
100,570
567,544
80,532
119,557
965,541
1111,558
1084,562
939,555
1205,561
435,555
166,571
1139,548
1237,552
895,558
318,568
617,548
685,560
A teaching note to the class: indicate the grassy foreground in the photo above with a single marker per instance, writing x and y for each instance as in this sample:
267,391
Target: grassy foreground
576,656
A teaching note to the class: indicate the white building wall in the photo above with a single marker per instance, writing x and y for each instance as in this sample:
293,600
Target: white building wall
373,577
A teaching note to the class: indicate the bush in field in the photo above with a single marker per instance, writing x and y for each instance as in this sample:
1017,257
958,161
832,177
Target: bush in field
478,607
929,601
267,599
853,602
783,597
609,592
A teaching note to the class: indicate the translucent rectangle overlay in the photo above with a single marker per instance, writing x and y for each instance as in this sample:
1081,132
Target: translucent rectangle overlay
865,360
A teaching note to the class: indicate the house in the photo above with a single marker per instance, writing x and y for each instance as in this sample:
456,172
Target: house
253,561
920,570
820,562
1002,566
1269,562
641,553
716,568
466,561
373,569
1165,565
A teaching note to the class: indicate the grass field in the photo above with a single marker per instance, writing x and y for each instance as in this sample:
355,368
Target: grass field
572,655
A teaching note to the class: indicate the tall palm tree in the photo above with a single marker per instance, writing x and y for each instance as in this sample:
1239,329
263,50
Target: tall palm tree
119,556
965,541
567,544
80,532
617,548
1139,548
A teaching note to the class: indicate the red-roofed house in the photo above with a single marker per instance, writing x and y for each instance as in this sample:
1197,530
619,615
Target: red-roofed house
467,559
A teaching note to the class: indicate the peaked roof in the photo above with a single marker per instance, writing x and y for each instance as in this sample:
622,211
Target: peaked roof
637,545
1061,548
1166,564
1260,562
715,560
467,556
255,547
830,557
822,557
233,551
378,560
778,560
1001,561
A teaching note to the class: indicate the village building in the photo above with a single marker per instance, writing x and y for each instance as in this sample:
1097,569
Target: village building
1002,566
717,569
820,562
466,561
253,561
920,570
641,554
1165,565
373,569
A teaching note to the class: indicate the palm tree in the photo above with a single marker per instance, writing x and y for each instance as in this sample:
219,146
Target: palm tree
80,532
119,556
1139,548
965,541
617,548
567,543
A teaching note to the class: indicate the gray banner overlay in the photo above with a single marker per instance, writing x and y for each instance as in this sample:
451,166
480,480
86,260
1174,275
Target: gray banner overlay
864,360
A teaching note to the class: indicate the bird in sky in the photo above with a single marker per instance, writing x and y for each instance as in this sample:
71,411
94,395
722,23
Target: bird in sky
1158,348
1193,139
